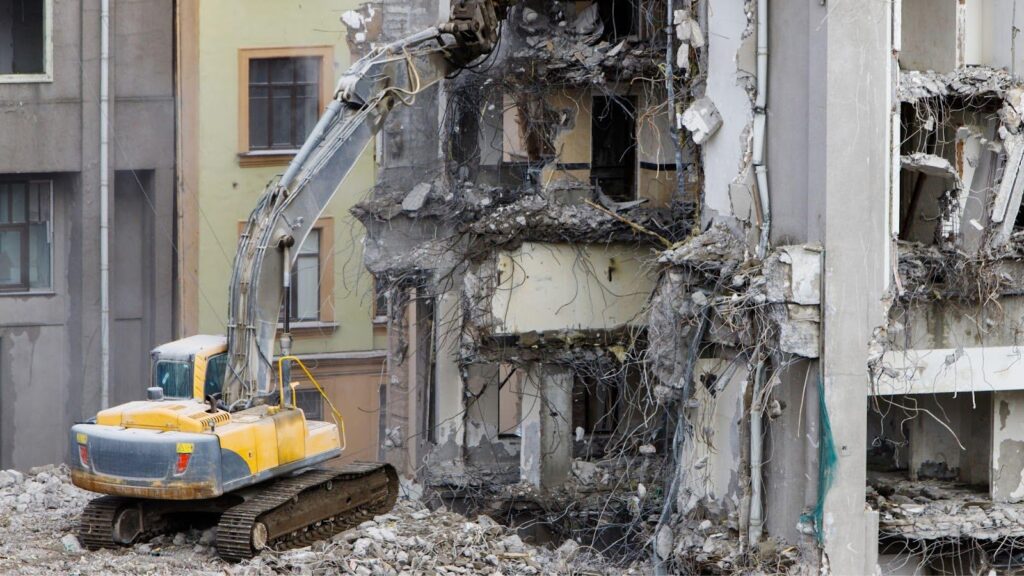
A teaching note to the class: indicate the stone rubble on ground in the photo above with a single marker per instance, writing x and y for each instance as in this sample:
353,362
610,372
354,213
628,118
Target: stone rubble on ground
39,516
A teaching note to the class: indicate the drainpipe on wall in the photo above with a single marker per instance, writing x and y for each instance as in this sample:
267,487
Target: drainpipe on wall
756,517
760,133
104,203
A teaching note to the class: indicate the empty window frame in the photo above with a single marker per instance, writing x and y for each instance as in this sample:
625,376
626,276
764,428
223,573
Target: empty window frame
26,235
25,40
613,147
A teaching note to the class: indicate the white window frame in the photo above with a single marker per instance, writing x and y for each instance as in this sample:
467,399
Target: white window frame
47,75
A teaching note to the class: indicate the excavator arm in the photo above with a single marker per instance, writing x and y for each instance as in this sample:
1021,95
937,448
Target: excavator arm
288,209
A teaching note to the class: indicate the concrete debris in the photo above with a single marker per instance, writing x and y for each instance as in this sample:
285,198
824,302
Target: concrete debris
940,510
562,48
364,26
416,197
716,248
40,539
689,34
965,83
701,119
534,217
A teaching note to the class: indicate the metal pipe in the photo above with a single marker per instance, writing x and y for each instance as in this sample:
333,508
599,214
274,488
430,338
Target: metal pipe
756,517
760,131
286,336
315,137
104,203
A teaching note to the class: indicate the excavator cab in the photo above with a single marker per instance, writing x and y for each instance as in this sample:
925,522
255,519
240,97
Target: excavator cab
190,368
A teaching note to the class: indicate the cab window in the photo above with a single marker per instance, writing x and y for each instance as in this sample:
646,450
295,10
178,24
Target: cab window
215,368
175,378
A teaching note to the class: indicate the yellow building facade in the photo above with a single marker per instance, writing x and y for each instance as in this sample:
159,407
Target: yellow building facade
253,77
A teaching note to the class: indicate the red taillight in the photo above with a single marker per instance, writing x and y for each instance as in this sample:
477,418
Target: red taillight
83,454
182,463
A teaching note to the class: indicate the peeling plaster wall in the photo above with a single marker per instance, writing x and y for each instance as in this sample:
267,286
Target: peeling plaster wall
1008,446
727,154
547,287
712,457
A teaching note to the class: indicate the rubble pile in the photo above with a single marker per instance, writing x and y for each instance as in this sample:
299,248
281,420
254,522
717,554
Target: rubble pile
935,509
39,515
571,49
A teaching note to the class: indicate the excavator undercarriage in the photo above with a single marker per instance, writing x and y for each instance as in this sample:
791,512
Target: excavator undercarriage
280,514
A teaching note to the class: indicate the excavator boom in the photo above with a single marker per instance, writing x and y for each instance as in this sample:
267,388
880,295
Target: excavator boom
288,209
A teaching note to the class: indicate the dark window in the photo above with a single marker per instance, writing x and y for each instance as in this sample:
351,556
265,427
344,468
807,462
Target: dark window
619,18
25,241
306,281
613,152
380,299
311,403
284,101
216,367
595,405
22,37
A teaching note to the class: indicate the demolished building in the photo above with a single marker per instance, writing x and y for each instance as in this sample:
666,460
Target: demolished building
686,279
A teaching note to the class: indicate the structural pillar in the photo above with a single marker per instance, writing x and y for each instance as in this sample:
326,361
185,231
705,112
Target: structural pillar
545,455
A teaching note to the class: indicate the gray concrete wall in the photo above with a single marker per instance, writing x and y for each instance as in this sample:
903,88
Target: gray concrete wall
50,342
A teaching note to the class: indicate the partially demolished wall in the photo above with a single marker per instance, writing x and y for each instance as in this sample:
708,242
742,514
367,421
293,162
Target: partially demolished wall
594,323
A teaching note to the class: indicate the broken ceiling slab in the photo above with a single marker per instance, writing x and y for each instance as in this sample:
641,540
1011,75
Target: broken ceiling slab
1008,199
950,370
966,82
931,165
701,119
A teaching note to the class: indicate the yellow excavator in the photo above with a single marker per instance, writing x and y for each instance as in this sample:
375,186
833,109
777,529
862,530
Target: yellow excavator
219,434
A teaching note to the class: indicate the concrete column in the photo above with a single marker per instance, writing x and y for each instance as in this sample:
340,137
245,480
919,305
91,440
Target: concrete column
449,401
791,474
857,254
546,450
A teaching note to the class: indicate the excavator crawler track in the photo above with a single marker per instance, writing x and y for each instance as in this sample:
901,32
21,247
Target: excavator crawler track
294,512
96,526
115,521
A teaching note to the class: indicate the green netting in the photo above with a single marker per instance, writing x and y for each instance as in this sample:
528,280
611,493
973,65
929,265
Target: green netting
827,459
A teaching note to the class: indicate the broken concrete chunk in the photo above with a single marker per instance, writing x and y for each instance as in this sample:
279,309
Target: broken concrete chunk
702,120
416,197
71,544
588,23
